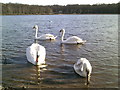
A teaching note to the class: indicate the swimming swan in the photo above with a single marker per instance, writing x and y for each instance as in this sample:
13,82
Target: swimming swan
36,54
83,68
71,40
44,36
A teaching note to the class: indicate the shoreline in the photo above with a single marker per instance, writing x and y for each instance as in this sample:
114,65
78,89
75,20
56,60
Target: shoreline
57,14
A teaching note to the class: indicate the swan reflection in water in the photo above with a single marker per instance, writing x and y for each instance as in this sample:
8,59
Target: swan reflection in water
34,75
69,47
39,70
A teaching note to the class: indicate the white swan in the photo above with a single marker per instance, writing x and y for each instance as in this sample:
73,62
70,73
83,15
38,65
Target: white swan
83,68
36,54
72,39
44,36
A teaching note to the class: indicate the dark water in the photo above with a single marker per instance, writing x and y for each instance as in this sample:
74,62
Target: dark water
101,49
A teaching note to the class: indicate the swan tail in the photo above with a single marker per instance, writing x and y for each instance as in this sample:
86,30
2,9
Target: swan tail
84,41
55,37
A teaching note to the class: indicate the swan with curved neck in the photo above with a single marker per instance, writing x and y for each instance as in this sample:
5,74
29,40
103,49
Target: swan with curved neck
36,31
83,68
44,36
71,40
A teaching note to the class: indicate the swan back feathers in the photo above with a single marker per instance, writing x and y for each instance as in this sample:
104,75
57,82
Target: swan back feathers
82,66
34,50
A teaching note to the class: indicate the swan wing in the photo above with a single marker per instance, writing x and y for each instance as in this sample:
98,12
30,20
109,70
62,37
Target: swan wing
31,54
46,37
88,66
41,54
80,67
73,40
49,35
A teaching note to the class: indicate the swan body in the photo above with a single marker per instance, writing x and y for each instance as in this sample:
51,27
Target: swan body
44,36
36,54
83,68
47,37
72,39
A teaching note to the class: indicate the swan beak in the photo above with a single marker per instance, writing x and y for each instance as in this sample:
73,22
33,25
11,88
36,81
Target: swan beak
34,27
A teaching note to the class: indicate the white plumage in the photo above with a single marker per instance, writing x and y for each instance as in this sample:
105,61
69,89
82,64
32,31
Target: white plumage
71,40
83,68
47,37
36,54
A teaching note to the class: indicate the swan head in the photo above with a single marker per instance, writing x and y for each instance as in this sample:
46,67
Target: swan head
35,27
62,30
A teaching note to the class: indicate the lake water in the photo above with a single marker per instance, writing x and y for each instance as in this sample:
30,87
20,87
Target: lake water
101,49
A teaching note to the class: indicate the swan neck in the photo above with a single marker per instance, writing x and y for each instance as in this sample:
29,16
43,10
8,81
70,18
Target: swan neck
62,38
36,33
88,77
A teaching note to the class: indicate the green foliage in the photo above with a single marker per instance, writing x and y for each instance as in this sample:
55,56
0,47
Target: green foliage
21,9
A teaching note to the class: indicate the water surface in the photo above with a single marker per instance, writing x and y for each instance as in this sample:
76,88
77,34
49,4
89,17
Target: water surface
101,49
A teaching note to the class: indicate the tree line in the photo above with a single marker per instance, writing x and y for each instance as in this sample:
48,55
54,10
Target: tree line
21,9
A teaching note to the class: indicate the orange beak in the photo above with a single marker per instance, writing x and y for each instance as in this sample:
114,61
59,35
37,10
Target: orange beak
37,58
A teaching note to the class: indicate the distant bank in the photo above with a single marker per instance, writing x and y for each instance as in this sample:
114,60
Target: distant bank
24,9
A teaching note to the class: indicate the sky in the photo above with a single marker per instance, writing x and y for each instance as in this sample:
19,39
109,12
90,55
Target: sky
60,2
